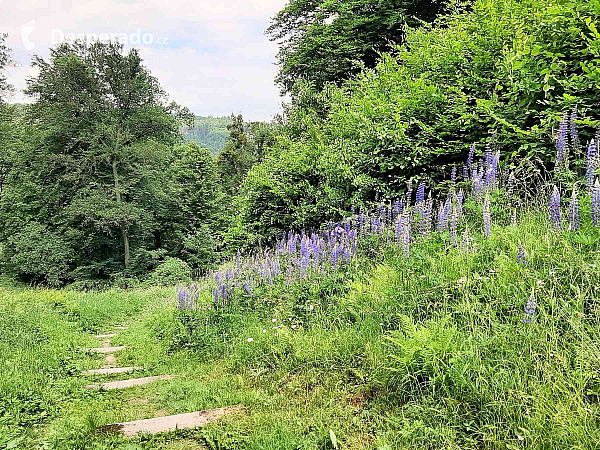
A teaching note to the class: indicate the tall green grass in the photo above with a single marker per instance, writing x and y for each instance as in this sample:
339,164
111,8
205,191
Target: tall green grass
429,352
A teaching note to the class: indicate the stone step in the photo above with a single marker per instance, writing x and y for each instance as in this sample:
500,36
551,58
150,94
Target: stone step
171,423
123,384
106,336
107,349
111,370
121,328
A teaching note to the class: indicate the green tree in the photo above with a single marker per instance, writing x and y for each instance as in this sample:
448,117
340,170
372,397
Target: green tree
331,40
191,210
4,62
104,136
237,157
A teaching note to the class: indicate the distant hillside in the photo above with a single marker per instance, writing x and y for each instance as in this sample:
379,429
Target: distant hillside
208,132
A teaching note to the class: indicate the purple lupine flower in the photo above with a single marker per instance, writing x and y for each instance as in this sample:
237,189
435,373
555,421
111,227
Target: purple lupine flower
238,263
216,296
409,193
453,176
487,217
591,164
247,288
182,296
573,129
490,179
465,172
353,236
420,193
562,145
334,256
530,308
555,220
224,292
521,256
471,156
425,214
442,219
488,156
447,208
459,203
574,212
399,229
596,204
398,207
453,226
477,184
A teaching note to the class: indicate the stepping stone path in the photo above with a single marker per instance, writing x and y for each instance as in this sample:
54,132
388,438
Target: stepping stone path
172,423
128,383
107,349
151,426
111,370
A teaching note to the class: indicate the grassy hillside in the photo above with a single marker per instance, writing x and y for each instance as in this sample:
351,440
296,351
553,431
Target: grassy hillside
489,342
208,132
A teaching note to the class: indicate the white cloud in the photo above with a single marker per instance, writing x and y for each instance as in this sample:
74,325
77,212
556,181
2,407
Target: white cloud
217,59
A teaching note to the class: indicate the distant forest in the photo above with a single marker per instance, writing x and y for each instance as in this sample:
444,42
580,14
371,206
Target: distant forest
208,132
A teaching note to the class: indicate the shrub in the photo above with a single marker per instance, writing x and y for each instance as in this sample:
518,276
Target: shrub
171,272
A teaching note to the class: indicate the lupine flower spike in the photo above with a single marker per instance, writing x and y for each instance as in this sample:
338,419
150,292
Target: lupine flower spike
574,211
574,132
487,218
521,256
591,164
453,225
596,204
530,308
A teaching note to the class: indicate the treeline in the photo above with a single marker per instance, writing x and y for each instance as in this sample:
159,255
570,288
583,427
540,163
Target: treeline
96,181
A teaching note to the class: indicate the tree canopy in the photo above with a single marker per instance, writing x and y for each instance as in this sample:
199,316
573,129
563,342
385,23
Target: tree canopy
331,40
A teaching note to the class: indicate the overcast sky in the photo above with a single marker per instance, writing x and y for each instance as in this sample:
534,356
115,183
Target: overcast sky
211,56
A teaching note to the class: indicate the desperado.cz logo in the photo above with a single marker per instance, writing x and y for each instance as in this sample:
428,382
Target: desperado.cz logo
59,36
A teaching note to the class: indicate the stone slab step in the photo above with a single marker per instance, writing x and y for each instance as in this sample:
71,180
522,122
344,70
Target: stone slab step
121,328
171,423
107,349
111,370
123,384
106,336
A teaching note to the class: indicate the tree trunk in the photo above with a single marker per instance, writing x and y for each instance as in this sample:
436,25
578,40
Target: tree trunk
124,228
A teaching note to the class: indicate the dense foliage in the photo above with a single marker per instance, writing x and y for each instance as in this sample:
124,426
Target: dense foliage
505,67
92,189
330,41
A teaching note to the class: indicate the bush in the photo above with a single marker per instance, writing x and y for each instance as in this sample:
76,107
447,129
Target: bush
38,255
171,272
